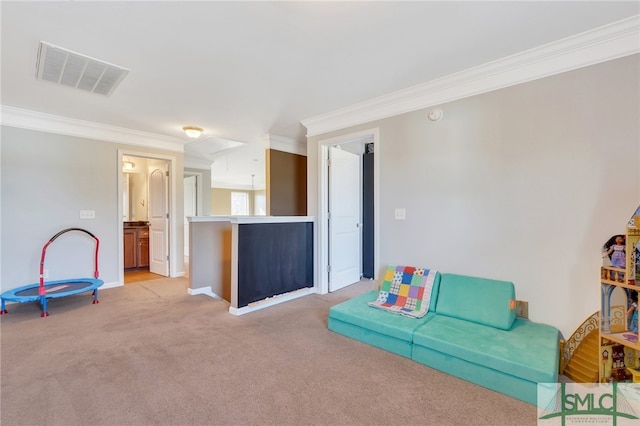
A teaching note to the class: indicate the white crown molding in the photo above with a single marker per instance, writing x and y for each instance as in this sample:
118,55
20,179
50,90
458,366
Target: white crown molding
33,120
281,143
601,44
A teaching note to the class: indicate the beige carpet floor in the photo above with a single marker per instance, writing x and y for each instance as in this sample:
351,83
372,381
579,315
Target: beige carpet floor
149,354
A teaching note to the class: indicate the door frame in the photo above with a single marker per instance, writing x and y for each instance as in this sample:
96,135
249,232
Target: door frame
364,136
174,248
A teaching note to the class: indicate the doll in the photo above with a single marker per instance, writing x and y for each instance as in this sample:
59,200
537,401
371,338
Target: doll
632,312
615,249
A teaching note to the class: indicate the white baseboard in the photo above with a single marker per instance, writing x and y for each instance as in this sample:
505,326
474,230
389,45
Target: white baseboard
204,290
256,306
112,284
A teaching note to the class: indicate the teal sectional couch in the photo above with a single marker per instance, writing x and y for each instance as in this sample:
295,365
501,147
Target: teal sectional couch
470,331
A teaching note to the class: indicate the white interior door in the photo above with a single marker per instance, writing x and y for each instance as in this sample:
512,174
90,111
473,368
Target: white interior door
344,218
159,217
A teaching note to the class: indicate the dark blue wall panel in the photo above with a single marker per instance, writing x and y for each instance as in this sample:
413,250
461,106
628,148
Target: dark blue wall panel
273,258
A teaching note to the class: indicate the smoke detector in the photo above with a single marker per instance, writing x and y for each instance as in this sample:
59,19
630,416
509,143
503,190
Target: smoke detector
435,114
72,69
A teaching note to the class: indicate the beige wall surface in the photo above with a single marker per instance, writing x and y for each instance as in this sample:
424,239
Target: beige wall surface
221,200
522,184
46,179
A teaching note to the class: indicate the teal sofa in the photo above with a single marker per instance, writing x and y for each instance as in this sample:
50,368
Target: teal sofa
470,331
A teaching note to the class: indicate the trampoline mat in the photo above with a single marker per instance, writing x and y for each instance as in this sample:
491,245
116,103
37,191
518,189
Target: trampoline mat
55,288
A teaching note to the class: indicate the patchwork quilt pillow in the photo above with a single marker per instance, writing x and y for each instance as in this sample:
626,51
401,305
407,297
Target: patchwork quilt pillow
406,290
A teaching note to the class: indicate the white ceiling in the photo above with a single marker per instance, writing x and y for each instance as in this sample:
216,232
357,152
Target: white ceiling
243,70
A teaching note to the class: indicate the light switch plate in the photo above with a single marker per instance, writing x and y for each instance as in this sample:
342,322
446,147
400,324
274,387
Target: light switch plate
87,214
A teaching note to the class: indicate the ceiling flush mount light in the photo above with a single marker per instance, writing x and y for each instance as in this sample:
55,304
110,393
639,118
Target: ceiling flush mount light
435,114
192,131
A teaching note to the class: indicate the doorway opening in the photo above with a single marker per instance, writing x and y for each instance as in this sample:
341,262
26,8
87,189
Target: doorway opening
145,221
192,183
337,228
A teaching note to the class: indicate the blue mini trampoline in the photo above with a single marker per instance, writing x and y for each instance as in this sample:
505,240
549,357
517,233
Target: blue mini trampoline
42,291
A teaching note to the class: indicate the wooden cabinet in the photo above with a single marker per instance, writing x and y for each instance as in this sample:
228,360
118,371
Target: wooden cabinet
618,365
136,247
130,244
143,248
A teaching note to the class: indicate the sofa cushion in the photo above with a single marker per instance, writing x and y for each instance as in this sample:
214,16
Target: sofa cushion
406,290
529,350
357,311
479,300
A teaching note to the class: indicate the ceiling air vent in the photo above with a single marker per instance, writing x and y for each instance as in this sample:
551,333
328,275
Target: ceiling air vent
74,70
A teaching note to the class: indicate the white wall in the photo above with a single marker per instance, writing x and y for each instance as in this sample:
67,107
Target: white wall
46,180
522,184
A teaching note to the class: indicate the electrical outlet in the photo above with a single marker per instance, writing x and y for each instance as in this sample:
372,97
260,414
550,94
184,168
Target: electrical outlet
401,214
87,214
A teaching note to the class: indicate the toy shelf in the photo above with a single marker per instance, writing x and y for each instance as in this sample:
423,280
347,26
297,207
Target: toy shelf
635,372
617,276
623,338
629,286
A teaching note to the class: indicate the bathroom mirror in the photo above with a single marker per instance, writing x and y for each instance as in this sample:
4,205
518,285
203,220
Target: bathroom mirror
135,191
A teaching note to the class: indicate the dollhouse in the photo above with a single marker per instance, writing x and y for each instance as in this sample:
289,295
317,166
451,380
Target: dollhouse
619,285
